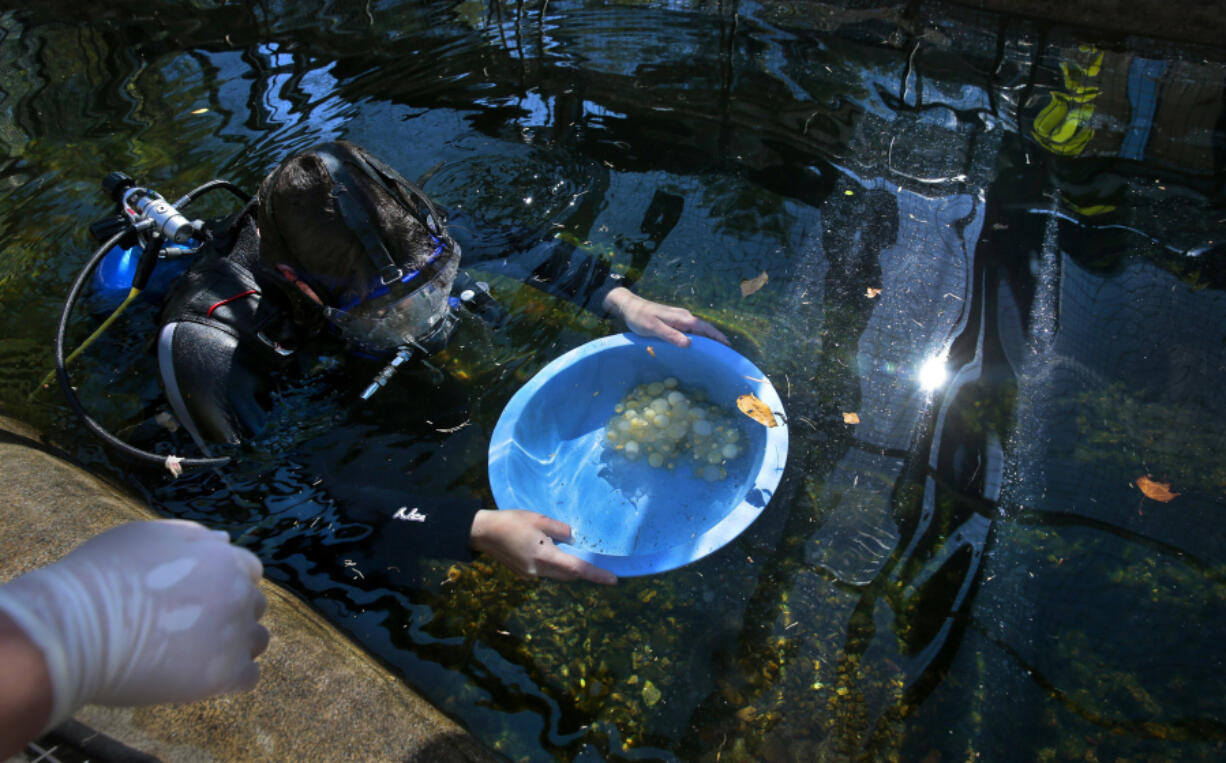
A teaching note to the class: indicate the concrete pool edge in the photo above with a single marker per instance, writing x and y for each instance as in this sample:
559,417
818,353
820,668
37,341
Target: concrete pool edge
319,697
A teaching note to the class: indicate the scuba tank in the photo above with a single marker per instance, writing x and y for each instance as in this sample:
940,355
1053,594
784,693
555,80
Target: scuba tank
145,229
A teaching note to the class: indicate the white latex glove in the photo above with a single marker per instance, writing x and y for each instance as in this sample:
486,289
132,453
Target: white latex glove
147,612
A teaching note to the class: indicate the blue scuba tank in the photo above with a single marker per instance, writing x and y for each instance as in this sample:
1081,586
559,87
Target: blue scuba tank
114,275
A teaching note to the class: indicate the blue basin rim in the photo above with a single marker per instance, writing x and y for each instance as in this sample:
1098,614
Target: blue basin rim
547,454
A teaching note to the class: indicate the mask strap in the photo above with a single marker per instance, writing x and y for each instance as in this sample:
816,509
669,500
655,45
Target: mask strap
357,218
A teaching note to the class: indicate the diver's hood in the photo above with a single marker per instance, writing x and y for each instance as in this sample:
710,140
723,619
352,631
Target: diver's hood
407,304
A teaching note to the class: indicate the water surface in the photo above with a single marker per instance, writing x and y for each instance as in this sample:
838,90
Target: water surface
971,570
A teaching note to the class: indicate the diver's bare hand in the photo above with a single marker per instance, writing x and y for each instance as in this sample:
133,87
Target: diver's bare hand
524,541
652,319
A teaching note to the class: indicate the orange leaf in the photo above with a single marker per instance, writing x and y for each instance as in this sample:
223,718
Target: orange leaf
651,351
757,410
1159,491
753,284
851,418
870,292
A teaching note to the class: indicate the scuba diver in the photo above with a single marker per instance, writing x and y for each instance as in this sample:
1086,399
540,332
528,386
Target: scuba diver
338,243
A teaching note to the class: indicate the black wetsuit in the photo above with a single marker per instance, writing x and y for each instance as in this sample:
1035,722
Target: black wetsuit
227,333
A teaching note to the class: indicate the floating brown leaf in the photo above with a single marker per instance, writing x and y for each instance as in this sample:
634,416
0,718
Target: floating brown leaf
753,284
871,292
1158,491
851,418
757,410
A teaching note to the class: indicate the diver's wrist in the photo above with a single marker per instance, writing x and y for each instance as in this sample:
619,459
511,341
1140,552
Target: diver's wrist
615,301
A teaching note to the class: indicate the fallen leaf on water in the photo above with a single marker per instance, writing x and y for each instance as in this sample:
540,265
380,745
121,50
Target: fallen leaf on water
173,465
871,292
651,694
747,713
753,284
757,410
200,111
651,351
851,418
1159,491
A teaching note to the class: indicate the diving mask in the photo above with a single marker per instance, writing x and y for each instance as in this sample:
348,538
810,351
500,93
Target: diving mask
399,318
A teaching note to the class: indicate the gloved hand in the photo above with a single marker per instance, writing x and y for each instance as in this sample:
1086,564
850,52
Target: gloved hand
147,612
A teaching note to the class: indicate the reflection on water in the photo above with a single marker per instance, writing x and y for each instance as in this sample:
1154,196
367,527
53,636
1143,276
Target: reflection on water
998,245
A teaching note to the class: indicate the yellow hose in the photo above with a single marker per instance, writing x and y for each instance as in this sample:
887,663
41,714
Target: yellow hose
132,294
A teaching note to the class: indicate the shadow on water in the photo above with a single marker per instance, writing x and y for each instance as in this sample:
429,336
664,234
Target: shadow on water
997,243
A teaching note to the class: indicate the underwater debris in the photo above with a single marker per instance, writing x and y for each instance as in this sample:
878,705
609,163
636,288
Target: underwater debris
751,285
757,410
1158,491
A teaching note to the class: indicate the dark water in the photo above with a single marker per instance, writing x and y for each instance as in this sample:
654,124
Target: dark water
969,572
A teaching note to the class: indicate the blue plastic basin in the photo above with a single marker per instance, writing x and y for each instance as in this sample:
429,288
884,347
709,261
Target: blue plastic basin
548,454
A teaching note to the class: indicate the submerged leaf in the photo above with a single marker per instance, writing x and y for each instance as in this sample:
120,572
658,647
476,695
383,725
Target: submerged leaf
757,410
651,694
1158,491
753,284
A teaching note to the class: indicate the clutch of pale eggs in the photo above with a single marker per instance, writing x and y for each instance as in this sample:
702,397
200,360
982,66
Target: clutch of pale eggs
662,423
